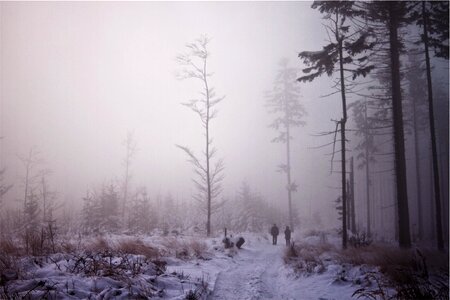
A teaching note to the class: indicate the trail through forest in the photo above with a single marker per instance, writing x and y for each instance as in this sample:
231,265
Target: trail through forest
259,272
253,275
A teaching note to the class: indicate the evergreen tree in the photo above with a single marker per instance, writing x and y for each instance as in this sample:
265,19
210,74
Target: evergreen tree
283,101
345,53
393,15
109,209
433,17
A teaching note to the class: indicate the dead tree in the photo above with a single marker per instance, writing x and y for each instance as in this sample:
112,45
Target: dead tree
209,173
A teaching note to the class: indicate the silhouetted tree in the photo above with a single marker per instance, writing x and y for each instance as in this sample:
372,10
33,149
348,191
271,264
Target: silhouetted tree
417,106
345,53
209,174
393,15
283,101
434,21
366,148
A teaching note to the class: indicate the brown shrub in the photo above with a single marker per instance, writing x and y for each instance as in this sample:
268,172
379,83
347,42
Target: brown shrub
186,249
67,247
306,257
198,249
8,246
100,244
137,247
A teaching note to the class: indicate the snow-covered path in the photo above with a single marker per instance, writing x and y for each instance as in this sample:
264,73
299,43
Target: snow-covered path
257,271
253,275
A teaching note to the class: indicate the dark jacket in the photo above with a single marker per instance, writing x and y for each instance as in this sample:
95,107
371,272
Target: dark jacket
274,230
287,233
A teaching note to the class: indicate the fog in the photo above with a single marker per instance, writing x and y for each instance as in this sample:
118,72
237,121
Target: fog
77,76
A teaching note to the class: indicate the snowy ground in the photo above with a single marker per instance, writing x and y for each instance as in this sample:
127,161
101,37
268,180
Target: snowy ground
257,271
120,267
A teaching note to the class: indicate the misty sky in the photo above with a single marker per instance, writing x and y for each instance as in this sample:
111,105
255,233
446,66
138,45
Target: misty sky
76,76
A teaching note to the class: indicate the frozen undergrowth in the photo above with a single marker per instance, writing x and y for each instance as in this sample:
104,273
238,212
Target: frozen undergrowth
113,267
188,267
371,271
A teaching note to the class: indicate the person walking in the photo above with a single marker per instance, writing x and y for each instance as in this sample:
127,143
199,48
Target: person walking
287,235
274,231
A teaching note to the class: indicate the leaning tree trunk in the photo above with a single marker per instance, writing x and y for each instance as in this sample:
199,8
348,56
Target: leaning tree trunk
437,190
400,163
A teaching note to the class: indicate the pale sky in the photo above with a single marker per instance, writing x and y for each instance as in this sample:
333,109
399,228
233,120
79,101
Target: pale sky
75,76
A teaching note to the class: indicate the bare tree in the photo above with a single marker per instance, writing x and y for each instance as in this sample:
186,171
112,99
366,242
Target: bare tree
283,101
209,174
130,146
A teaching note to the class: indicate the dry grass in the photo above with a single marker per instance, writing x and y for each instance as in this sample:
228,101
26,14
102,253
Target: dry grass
136,246
413,273
306,257
8,246
387,256
400,265
186,249
67,247
100,244
198,248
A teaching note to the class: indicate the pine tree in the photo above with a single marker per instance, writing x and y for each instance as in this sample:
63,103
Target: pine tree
433,17
345,53
283,101
393,15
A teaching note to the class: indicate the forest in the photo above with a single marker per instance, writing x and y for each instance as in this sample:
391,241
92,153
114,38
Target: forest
149,149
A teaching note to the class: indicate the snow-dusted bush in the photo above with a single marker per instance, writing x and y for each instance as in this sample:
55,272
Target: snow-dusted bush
186,249
138,247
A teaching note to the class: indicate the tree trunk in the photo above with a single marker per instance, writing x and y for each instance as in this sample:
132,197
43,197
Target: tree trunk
437,190
400,163
344,191
352,189
207,154
418,186
288,163
366,137
342,122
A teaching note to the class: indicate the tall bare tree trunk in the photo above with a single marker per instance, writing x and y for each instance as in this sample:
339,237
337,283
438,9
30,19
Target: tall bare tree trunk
342,122
352,189
417,158
368,202
207,154
400,163
437,189
288,163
